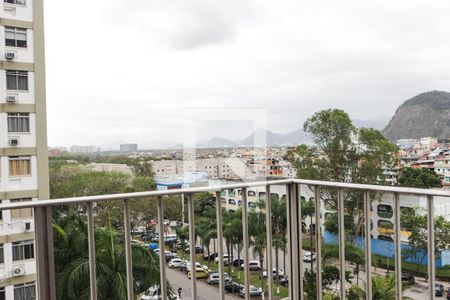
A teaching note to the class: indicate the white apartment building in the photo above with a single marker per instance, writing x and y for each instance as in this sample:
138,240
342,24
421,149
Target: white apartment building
84,149
23,142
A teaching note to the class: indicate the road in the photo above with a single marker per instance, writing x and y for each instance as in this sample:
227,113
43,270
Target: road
204,291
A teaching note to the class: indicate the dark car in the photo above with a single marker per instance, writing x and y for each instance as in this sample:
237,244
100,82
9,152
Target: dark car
198,249
408,278
283,280
448,293
232,287
210,257
438,290
170,256
238,262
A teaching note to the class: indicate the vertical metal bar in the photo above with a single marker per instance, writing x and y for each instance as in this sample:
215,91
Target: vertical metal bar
341,229
398,258
294,281
367,218
192,243
318,246
220,245
162,253
246,243
431,253
289,241
269,241
300,241
45,263
91,246
129,262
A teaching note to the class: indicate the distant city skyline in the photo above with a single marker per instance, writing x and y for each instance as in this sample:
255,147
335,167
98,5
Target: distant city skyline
149,60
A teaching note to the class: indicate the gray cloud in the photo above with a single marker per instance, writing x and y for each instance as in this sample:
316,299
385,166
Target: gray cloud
129,69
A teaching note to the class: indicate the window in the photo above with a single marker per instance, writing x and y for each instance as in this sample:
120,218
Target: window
17,80
15,37
384,211
22,212
18,122
16,2
23,250
385,224
25,291
19,166
2,258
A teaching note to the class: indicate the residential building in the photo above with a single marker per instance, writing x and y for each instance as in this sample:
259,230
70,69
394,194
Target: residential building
23,142
84,149
128,148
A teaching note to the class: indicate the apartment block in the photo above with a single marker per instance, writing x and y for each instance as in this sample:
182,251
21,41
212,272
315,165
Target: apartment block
23,142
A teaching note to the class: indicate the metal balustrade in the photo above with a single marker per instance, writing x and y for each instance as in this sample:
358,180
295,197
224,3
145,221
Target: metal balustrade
44,234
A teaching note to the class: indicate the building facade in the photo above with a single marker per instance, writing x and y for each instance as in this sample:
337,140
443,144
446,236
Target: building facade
128,147
23,144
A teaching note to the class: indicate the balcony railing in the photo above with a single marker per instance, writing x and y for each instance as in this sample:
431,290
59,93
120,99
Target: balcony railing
44,234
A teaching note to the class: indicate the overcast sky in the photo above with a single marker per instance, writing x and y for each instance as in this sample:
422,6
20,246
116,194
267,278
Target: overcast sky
125,71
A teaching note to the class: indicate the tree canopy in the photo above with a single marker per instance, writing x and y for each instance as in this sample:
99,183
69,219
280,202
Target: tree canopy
419,178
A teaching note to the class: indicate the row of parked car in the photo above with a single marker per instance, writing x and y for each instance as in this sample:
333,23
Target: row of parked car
213,277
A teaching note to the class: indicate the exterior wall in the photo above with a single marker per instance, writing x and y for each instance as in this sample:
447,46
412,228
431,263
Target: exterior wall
17,12
32,144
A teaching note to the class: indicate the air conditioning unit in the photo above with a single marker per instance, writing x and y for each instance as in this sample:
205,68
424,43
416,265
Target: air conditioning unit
27,226
11,98
10,55
18,270
13,141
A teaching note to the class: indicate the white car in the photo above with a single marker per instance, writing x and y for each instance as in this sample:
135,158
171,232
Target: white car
224,258
309,256
253,265
154,293
274,273
175,263
254,291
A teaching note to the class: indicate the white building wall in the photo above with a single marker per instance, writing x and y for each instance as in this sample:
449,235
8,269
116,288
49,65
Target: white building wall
17,12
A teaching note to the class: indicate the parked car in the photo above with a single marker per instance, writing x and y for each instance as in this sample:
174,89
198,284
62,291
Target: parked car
237,262
253,265
214,278
232,287
211,256
197,264
309,256
254,291
198,249
170,255
175,263
274,273
283,280
154,293
408,278
183,266
448,293
224,258
438,290
199,273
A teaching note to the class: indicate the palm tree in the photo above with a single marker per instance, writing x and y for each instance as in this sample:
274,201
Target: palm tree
383,288
72,262
279,227
257,230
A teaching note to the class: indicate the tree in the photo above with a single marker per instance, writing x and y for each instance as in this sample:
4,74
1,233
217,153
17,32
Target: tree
416,224
72,262
343,153
330,275
419,178
308,210
383,288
